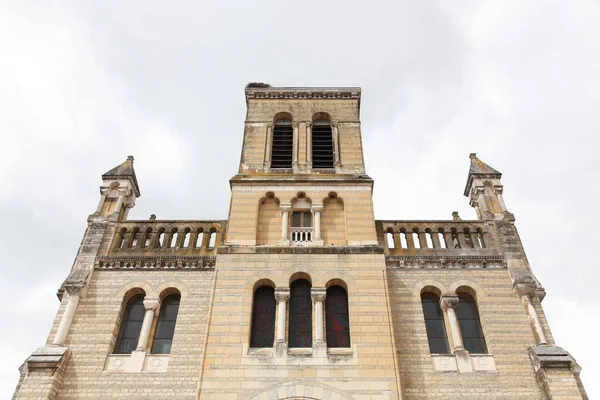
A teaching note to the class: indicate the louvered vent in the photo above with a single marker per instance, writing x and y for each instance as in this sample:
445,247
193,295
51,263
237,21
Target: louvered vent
322,145
281,155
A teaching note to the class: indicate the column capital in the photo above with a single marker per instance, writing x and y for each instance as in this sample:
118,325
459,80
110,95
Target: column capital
498,189
448,301
477,190
284,208
282,294
318,294
151,303
316,208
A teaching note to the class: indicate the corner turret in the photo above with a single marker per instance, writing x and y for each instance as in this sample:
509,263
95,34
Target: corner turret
484,189
118,192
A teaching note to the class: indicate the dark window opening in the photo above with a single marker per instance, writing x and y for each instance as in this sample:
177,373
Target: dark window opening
301,219
434,324
322,145
300,325
283,144
263,317
165,328
470,325
129,332
337,320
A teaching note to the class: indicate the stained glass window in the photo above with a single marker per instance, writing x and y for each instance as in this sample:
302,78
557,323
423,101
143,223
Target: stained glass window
263,317
129,332
300,325
470,325
434,324
337,322
165,328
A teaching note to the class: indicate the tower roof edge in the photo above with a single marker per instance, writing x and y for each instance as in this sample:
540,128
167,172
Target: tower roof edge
124,171
479,169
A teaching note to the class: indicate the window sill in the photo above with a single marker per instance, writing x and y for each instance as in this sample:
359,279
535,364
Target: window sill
463,362
340,351
138,361
280,354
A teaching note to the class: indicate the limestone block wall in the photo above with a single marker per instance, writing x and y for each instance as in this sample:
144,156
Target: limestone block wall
504,321
233,371
354,225
95,327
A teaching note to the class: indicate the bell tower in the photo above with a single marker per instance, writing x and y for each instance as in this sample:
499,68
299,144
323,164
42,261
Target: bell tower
301,179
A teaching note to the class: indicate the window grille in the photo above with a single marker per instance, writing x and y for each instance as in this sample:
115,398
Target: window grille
163,337
470,324
434,324
129,332
337,321
283,144
322,145
300,325
263,317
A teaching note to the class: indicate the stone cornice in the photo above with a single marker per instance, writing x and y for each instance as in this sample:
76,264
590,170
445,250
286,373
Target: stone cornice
327,93
175,263
446,262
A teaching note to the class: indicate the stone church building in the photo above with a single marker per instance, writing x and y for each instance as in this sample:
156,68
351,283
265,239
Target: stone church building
300,293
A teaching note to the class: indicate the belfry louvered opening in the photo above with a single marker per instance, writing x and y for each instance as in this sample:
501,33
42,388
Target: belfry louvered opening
283,144
322,145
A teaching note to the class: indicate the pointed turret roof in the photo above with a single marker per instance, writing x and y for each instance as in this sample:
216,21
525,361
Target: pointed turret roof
124,171
479,169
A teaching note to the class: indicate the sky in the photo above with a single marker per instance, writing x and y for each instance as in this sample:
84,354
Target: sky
84,83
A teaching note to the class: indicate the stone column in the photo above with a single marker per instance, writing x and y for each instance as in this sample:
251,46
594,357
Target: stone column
447,303
498,190
151,304
483,209
309,145
67,317
268,147
295,146
336,146
435,240
119,203
316,210
526,290
282,295
101,203
318,297
285,211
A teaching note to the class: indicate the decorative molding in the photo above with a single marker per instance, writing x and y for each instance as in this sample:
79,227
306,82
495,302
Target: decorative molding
446,262
303,93
179,263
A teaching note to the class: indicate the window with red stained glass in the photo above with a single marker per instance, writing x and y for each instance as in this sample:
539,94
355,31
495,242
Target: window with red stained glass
300,325
263,317
337,320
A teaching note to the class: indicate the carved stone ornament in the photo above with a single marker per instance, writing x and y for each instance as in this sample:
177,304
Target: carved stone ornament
282,294
318,294
448,301
76,281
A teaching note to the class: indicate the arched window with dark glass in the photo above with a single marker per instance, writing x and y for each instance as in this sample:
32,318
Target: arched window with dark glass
263,317
165,328
129,332
434,324
470,325
283,144
322,144
300,325
337,322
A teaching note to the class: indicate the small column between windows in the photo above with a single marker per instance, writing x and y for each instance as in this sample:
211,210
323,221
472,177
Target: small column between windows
151,304
285,210
498,190
318,297
309,145
282,295
268,147
316,210
336,147
448,302
296,145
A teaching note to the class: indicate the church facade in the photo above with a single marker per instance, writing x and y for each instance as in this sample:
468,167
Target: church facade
301,293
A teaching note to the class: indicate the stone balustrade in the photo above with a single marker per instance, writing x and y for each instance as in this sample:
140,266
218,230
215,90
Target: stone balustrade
433,237
167,237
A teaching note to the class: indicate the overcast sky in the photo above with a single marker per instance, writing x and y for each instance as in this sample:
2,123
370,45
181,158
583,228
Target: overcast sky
83,84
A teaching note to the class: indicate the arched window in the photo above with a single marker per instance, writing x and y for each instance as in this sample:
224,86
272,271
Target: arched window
283,144
300,325
322,144
470,325
263,317
129,332
434,324
163,336
337,320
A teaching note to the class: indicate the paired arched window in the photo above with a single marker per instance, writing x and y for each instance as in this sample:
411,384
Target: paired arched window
470,324
322,144
165,328
129,332
263,317
300,322
434,324
337,320
283,144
